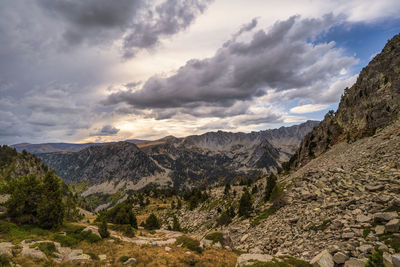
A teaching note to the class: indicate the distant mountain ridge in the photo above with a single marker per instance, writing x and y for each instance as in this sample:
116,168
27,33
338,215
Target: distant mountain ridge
59,147
197,160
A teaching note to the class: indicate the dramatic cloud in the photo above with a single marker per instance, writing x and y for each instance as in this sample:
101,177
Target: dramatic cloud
107,130
140,24
281,58
308,108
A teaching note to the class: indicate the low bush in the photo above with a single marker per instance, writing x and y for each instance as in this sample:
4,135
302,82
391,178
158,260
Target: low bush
189,243
47,248
123,258
216,237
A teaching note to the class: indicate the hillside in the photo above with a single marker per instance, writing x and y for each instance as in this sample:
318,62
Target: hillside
373,102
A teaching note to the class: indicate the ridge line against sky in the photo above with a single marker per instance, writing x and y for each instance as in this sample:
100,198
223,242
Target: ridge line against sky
97,71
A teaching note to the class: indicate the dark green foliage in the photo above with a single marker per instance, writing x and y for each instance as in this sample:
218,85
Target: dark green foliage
254,190
128,231
263,215
50,210
366,231
7,155
216,237
36,202
245,204
226,217
227,189
392,241
121,214
179,204
375,259
93,256
176,226
47,248
103,229
4,262
271,183
123,258
152,222
75,235
189,243
195,197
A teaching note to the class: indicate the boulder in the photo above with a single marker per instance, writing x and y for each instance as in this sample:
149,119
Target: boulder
6,249
366,249
396,260
353,262
102,257
28,252
385,216
130,261
244,238
340,257
392,226
77,255
92,229
387,260
323,259
374,188
248,259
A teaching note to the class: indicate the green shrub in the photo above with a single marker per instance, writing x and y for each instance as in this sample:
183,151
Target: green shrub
152,222
375,259
123,258
66,241
47,248
216,237
103,229
129,231
189,243
4,261
93,256
176,226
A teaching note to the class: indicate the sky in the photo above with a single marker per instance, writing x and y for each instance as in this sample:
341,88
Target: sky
100,70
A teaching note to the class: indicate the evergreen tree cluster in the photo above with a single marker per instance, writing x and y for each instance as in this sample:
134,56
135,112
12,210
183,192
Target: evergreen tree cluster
245,204
195,197
271,183
120,214
36,201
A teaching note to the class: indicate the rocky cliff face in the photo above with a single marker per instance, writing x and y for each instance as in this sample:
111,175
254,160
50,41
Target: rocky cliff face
373,102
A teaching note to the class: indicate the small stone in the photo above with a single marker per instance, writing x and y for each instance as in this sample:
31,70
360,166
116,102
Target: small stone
353,262
130,261
102,257
167,249
323,259
188,252
374,188
392,226
340,258
347,235
244,238
366,249
363,218
380,229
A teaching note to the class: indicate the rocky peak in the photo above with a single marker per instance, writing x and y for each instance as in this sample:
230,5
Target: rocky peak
373,102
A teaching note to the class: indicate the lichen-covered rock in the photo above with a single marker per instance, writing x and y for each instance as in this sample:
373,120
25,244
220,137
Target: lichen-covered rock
33,253
6,249
323,259
354,262
340,257
248,259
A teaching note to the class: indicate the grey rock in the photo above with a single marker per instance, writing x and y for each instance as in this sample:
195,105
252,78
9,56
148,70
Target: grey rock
32,253
363,218
353,262
130,261
374,188
387,260
392,226
340,258
6,249
246,259
396,260
380,229
323,259
384,216
366,249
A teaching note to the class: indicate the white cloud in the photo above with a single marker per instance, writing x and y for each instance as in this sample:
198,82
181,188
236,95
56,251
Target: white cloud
308,108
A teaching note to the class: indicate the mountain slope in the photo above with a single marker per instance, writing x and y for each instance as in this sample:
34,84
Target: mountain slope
97,164
373,102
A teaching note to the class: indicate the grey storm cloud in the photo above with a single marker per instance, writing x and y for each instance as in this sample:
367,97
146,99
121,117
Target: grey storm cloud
107,130
281,58
141,24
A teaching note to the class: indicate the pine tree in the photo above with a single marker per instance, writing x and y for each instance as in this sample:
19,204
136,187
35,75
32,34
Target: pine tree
271,183
245,204
50,209
227,189
103,229
176,226
152,222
